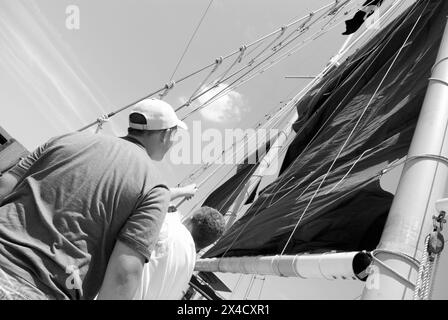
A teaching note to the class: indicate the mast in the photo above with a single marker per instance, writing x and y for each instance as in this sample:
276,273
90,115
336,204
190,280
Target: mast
422,183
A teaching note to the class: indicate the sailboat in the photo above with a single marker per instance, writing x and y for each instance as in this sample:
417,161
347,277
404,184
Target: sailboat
326,216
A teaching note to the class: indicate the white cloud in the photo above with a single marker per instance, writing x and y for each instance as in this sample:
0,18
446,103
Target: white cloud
229,107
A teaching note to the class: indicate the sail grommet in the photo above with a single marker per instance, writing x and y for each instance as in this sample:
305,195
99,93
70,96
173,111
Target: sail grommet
168,86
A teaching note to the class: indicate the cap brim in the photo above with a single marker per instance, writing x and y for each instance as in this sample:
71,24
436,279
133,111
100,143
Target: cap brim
182,125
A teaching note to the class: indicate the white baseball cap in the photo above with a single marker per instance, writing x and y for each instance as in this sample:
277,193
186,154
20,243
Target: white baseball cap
159,115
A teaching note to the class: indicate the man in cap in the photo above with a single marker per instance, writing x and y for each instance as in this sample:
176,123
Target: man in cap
81,214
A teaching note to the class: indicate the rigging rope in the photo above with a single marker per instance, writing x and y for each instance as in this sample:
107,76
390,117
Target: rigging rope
237,60
111,114
191,39
270,117
242,76
269,123
263,280
236,286
168,88
222,179
270,64
218,62
433,247
249,288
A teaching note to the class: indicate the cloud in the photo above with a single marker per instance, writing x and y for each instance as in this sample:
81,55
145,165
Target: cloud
229,107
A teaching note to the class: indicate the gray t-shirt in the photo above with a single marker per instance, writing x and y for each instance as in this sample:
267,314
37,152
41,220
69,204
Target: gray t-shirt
77,194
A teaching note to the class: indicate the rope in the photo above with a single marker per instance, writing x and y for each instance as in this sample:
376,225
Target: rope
433,247
219,182
239,82
349,170
101,121
270,44
168,88
230,87
215,84
236,286
420,286
111,114
270,64
191,39
218,62
270,119
235,83
240,77
268,124
237,60
435,268
249,288
263,281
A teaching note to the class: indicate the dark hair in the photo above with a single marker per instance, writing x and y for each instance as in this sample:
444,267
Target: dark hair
207,226
138,119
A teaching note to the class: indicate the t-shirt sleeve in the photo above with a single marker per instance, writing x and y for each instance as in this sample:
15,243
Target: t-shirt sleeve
25,163
141,230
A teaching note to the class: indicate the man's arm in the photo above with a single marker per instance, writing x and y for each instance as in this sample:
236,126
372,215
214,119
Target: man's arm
7,184
123,274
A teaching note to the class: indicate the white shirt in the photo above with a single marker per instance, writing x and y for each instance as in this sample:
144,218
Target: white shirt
166,275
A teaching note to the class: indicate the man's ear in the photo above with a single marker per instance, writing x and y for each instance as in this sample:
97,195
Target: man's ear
163,136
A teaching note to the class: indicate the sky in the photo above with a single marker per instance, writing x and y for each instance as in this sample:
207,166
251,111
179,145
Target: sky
55,79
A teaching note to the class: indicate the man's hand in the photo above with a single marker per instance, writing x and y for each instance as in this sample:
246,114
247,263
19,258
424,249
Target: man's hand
187,192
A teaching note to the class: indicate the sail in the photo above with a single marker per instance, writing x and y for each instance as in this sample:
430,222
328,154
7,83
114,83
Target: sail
354,122
222,198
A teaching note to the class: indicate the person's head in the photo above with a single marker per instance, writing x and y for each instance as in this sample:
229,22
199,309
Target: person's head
154,122
206,225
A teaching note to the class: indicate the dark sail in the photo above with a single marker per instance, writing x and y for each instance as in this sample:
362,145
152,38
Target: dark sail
349,211
222,198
